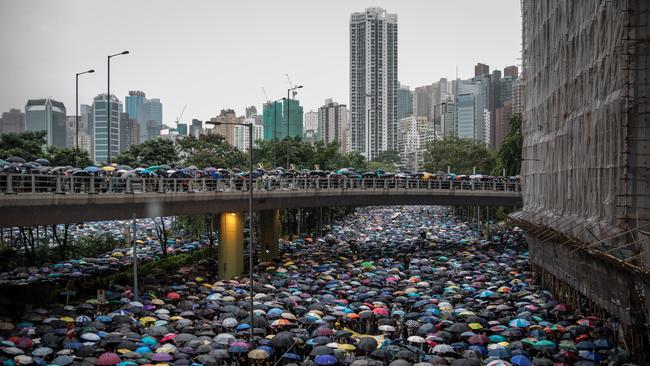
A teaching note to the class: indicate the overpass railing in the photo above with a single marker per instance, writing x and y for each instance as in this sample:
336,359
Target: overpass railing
31,184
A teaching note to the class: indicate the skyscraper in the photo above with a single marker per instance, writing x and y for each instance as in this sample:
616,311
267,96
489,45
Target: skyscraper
12,121
293,112
47,115
101,130
311,123
333,123
373,81
404,102
481,69
182,129
133,103
251,111
150,117
272,115
129,132
195,128
226,129
466,115
241,134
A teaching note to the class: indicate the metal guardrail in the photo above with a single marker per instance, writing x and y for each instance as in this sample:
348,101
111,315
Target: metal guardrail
33,184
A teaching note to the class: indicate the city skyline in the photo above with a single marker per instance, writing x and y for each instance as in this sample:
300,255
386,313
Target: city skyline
431,46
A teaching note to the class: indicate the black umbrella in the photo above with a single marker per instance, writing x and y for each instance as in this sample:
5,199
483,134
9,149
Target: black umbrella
283,340
367,344
15,159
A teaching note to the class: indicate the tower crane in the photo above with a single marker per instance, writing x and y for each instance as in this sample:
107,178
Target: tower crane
181,115
291,86
266,95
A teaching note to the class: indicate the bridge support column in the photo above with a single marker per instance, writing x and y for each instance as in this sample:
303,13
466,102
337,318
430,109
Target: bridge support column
231,245
269,234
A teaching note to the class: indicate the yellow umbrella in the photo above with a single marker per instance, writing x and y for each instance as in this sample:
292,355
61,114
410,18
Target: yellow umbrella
475,326
67,319
346,347
147,319
108,168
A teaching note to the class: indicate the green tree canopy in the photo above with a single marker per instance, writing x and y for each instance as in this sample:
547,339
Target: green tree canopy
509,154
462,155
305,155
211,151
27,145
61,156
151,152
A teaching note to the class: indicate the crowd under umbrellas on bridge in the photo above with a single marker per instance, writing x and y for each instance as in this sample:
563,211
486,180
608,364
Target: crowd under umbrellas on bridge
387,286
39,176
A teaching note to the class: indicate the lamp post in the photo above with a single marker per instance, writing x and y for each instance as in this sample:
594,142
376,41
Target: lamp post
109,112
289,108
77,104
250,209
275,130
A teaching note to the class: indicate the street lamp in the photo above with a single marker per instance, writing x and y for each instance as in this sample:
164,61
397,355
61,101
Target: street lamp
109,112
77,104
250,208
275,129
289,108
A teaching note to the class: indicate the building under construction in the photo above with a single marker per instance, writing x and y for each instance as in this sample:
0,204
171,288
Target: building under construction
586,155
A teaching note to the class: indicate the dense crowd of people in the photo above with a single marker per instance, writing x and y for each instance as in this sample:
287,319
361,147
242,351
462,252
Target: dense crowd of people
387,286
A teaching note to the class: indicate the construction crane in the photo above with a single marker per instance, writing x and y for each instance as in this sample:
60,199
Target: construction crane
291,86
266,95
181,115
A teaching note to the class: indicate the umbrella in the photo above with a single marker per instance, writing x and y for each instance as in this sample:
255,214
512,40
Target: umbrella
15,159
521,360
325,360
108,358
258,354
283,340
367,344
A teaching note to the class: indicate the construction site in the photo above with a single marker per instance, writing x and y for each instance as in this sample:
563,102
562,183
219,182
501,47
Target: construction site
585,157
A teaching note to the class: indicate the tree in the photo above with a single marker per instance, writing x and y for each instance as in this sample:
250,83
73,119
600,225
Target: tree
73,156
509,154
388,156
212,151
27,145
462,155
151,152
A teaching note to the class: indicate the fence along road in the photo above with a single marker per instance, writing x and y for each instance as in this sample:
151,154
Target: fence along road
29,200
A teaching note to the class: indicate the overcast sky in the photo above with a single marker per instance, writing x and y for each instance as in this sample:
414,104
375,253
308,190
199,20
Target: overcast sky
211,55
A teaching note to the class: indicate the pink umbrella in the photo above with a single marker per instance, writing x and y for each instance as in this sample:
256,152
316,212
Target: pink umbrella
168,337
108,358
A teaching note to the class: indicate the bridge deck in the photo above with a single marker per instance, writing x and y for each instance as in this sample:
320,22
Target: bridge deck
49,208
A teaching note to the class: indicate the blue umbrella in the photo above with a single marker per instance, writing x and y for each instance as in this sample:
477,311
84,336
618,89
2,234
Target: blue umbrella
326,360
292,356
520,360
519,323
91,169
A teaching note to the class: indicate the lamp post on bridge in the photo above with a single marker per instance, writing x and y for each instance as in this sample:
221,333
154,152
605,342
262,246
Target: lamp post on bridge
77,104
250,210
288,109
109,112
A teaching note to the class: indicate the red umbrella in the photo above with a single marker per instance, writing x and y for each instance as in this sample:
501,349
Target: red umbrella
108,358
173,296
380,311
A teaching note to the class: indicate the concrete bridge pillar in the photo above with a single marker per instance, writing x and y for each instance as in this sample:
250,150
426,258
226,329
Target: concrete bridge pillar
231,245
269,234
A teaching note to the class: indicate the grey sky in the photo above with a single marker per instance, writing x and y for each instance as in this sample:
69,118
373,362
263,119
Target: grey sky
218,54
